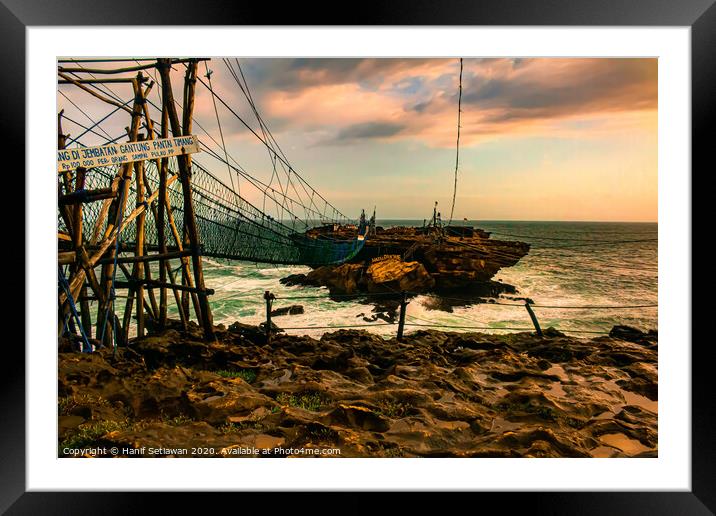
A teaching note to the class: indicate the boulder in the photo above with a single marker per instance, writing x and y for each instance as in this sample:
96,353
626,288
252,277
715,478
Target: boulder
394,275
287,310
341,279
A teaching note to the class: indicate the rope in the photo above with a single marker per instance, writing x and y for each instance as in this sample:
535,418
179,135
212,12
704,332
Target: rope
457,144
504,328
338,326
82,111
272,140
104,88
97,123
221,132
555,238
243,122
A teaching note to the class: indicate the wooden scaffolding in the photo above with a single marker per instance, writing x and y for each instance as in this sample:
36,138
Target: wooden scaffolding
90,259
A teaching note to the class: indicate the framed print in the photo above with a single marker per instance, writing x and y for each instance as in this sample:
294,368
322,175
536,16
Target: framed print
437,250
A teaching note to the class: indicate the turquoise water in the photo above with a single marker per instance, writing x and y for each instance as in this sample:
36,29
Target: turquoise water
570,264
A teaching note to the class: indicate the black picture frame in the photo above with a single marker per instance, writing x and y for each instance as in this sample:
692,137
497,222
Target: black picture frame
17,15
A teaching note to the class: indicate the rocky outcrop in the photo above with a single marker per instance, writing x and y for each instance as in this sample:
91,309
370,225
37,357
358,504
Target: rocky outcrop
388,275
416,260
435,395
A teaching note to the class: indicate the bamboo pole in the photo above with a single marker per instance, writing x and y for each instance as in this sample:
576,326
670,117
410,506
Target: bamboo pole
68,218
126,69
185,177
165,267
78,243
117,207
146,257
103,212
139,265
177,298
95,94
92,81
136,288
162,168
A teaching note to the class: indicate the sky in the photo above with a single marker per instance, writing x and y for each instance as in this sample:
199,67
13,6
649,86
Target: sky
541,138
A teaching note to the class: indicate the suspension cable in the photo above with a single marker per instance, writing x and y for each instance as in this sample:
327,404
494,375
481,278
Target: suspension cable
457,144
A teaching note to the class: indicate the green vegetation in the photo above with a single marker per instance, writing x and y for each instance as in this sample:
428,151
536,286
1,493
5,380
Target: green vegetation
394,409
232,428
323,433
88,433
308,400
179,420
394,452
247,375
67,404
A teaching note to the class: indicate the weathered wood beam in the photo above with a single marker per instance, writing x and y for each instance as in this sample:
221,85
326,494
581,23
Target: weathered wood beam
184,162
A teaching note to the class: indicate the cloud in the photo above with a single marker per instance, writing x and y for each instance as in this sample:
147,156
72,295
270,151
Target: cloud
365,131
502,97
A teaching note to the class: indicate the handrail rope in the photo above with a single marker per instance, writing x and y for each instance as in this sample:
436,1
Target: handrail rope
614,242
302,180
243,122
253,181
396,293
221,132
338,326
199,165
87,129
266,134
261,126
504,328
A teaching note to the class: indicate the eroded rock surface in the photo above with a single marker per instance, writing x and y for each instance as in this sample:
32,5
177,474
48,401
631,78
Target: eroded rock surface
418,260
435,395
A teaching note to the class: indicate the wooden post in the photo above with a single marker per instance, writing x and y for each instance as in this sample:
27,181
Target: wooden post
159,217
401,320
78,242
534,318
116,212
164,264
184,162
139,265
269,297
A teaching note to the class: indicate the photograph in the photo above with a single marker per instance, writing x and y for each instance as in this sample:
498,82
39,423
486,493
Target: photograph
375,257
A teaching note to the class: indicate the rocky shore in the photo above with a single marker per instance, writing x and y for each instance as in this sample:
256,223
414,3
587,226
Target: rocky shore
455,261
435,395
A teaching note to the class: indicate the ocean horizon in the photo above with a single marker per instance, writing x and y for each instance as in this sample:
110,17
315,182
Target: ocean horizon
570,264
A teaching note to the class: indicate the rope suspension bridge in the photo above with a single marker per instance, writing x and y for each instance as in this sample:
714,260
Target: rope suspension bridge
114,212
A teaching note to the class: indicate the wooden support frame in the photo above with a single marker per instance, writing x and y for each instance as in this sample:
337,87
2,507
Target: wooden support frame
99,245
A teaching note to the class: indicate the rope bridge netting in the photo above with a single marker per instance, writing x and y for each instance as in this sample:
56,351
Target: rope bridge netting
268,228
230,227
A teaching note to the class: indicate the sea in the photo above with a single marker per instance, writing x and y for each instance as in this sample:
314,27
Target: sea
583,277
